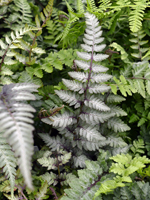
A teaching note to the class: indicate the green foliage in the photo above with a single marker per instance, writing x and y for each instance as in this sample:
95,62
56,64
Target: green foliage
55,161
25,10
40,188
138,147
58,59
89,179
137,45
40,43
137,81
134,9
124,166
138,190
4,2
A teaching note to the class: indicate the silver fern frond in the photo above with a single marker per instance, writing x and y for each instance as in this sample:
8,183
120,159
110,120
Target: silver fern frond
86,128
16,124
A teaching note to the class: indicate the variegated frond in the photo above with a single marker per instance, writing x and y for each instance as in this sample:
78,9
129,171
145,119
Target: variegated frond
97,104
86,128
69,97
89,133
16,123
117,125
59,120
25,10
95,117
97,88
54,143
11,43
7,161
74,85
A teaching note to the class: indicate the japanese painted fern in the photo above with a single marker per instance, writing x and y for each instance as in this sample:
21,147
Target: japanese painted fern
16,138
86,129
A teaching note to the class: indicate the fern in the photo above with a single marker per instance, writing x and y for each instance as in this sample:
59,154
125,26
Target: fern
54,27
71,18
138,147
55,161
95,176
135,81
124,166
16,120
137,190
8,161
136,15
57,59
137,46
25,10
89,179
81,128
124,55
8,50
42,191
17,41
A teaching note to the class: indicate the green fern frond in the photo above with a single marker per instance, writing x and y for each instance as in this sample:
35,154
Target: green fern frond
53,26
126,165
138,80
124,55
42,191
123,2
25,9
80,6
124,86
104,4
91,5
72,17
138,147
89,180
138,45
16,123
45,15
136,15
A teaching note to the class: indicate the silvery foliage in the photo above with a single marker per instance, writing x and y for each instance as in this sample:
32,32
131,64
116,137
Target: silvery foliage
87,128
16,138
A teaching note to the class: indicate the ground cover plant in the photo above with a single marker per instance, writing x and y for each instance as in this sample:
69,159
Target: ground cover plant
74,99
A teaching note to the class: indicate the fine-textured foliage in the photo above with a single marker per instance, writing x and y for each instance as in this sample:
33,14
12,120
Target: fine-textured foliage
89,179
87,127
83,113
138,45
16,126
106,8
8,161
